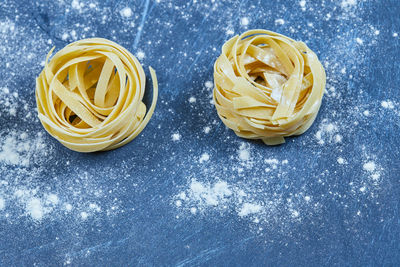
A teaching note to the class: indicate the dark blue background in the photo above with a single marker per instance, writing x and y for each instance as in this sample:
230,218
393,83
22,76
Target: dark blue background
181,40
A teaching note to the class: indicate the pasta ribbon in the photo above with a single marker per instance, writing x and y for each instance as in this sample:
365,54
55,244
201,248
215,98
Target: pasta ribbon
89,95
267,86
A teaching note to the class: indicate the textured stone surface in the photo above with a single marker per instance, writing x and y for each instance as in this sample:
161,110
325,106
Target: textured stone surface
187,191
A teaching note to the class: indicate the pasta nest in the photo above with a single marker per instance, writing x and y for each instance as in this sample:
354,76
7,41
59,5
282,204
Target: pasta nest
267,86
89,95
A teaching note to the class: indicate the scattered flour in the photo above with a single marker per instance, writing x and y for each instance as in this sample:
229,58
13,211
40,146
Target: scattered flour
348,3
273,162
176,136
16,148
372,168
327,133
204,157
34,208
207,195
84,215
206,129
76,5
68,207
2,203
244,152
64,36
244,21
192,99
338,138
243,200
140,55
53,199
126,12
302,4
387,104
295,213
279,21
341,160
209,84
369,166
229,32
249,208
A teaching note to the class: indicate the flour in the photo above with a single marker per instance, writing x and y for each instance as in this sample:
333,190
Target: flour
247,201
73,195
348,3
204,157
34,208
68,207
176,136
178,203
76,5
2,204
244,152
209,84
140,55
16,148
279,21
9,100
229,32
52,199
302,4
341,160
207,129
387,104
249,208
64,36
126,12
244,21
7,26
327,133
369,166
192,99
273,162
208,195
295,213
84,215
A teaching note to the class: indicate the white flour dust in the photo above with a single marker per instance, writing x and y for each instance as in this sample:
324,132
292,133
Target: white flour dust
21,149
328,133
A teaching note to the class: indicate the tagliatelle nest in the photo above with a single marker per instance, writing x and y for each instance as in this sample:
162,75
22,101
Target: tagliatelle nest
89,96
267,86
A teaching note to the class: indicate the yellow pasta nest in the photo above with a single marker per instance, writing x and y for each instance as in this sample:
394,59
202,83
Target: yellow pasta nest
89,96
267,86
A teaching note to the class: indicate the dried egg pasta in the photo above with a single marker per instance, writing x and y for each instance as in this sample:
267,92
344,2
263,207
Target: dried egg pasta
89,95
267,86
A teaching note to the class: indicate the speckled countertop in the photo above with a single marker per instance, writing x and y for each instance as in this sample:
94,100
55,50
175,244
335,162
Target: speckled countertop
187,191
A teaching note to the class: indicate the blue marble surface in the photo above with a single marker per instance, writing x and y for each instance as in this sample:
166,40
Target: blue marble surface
328,197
